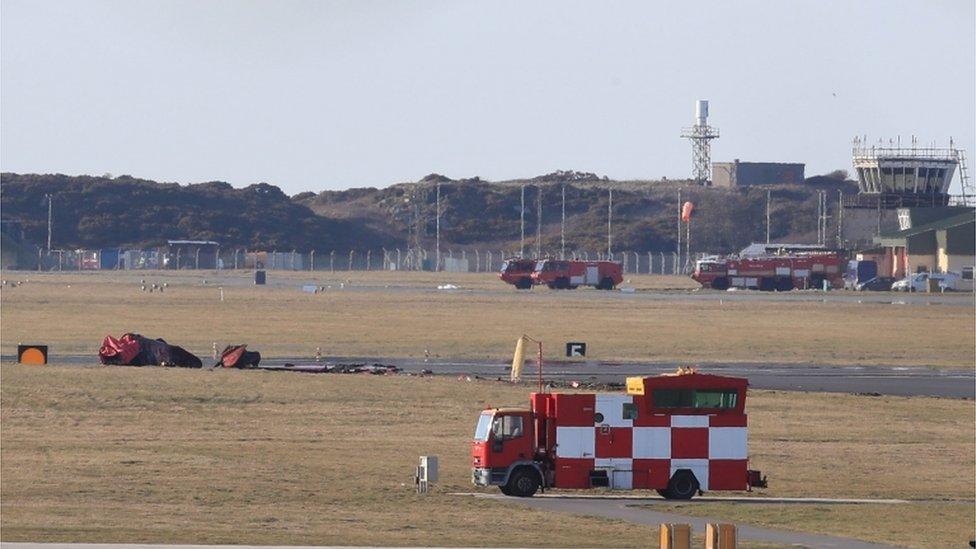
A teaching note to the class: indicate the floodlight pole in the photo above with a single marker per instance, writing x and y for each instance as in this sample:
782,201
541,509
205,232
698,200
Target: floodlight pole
840,219
50,220
768,196
522,225
538,223
676,267
437,267
562,228
610,226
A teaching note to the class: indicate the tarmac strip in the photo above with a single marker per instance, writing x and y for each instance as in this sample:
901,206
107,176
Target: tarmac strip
817,378
646,500
629,511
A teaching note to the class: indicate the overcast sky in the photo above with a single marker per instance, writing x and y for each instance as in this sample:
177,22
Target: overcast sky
328,94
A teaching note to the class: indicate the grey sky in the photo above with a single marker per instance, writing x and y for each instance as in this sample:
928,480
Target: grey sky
326,95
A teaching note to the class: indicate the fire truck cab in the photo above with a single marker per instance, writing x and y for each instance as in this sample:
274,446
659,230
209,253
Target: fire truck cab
678,434
518,272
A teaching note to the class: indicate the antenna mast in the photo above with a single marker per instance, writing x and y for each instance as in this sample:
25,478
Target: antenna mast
701,135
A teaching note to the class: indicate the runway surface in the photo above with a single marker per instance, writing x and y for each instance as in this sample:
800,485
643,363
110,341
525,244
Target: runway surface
870,380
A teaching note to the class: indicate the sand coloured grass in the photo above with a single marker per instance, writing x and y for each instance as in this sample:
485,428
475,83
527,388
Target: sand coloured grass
170,456
402,315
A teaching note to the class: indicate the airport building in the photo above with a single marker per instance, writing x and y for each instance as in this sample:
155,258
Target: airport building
893,180
746,174
937,240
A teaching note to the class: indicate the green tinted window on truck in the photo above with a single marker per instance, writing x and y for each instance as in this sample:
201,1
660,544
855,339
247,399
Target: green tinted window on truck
720,399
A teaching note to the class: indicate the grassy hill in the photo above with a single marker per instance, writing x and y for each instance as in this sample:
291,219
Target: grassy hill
478,213
92,212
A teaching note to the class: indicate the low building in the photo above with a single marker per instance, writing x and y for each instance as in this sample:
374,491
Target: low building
941,245
745,174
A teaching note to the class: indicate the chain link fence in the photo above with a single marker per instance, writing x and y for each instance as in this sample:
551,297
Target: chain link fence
477,260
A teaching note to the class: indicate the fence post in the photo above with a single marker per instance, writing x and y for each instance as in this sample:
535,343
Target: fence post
311,260
398,259
349,266
332,261
369,255
624,266
477,261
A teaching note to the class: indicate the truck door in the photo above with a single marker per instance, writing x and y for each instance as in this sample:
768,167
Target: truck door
592,274
511,439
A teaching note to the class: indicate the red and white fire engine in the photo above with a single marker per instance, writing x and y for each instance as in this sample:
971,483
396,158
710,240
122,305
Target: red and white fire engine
678,434
570,274
518,272
779,272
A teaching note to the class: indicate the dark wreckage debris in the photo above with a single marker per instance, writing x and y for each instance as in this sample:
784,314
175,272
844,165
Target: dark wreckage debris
137,350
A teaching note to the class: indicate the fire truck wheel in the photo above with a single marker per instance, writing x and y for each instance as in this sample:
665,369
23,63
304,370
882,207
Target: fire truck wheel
767,284
523,483
683,485
784,284
720,283
523,284
606,284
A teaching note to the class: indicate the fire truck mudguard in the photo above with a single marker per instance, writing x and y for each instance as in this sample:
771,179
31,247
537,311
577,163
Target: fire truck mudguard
680,435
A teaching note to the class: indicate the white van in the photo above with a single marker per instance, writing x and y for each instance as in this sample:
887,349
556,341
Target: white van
919,282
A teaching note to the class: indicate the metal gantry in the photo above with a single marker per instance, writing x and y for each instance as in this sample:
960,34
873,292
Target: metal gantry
701,135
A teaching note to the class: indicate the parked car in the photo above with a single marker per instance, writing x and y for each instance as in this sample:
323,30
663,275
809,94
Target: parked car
876,284
919,282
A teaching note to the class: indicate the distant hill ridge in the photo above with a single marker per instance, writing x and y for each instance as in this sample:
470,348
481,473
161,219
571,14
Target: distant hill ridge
94,212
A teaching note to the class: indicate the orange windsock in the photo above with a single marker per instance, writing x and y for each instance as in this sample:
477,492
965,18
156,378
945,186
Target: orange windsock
686,210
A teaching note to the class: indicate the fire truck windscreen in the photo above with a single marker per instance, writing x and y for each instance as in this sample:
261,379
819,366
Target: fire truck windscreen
706,266
691,398
483,428
552,266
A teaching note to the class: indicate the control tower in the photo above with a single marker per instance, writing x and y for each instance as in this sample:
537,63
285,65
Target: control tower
895,176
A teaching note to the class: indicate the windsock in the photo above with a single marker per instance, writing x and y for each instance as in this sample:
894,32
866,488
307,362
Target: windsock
686,210
518,359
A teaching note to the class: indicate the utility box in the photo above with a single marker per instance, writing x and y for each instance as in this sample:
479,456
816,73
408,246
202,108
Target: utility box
259,278
426,473
720,536
428,466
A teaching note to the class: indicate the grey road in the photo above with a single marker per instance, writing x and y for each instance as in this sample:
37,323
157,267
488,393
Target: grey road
869,380
635,510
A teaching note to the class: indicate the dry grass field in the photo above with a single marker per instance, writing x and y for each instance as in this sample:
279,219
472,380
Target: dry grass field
167,455
402,314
